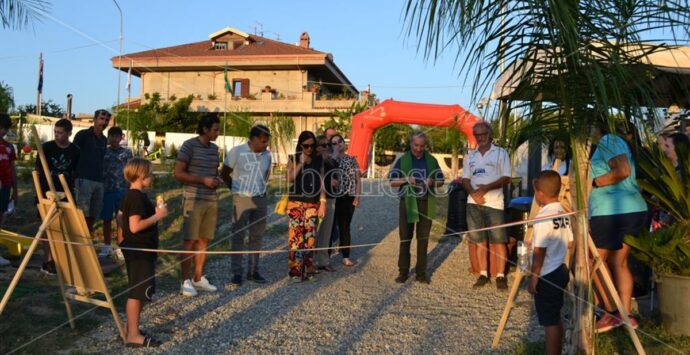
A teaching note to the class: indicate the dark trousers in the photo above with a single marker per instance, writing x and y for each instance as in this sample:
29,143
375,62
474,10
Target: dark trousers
343,216
249,215
407,232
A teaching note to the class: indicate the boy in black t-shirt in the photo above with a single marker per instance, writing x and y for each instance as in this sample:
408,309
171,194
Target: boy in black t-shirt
139,220
62,157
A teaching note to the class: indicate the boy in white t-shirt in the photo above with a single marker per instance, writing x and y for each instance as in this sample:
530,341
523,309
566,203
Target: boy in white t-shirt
549,248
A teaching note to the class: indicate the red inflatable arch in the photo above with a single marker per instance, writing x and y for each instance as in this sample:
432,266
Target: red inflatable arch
365,123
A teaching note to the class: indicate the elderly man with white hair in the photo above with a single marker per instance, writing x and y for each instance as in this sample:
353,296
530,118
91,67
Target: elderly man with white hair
485,171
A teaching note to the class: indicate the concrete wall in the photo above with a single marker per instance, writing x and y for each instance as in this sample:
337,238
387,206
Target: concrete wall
286,82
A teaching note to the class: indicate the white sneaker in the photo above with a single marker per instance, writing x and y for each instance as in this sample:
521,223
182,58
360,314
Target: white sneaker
187,289
4,262
204,285
105,251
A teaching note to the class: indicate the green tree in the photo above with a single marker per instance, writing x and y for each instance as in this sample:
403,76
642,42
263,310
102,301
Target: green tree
20,14
342,120
393,136
48,108
282,131
6,98
239,123
157,116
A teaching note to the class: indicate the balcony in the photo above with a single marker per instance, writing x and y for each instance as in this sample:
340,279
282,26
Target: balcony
304,103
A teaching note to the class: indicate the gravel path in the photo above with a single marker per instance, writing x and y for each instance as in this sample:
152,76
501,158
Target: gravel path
354,310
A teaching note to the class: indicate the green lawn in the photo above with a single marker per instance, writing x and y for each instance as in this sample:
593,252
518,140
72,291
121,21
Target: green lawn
36,307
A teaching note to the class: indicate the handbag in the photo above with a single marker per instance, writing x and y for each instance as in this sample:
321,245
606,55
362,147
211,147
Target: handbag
281,206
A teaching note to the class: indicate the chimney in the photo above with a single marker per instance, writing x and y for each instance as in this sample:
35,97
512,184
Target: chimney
304,40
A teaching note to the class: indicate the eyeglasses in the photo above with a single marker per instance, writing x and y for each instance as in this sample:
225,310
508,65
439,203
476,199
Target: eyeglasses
481,134
308,146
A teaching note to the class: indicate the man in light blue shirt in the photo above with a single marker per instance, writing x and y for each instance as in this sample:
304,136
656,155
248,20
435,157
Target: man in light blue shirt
246,170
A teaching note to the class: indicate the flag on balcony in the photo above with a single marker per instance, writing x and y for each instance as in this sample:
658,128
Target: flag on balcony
129,79
228,87
40,74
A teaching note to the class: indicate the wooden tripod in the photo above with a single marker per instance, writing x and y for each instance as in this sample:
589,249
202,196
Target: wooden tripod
71,245
598,266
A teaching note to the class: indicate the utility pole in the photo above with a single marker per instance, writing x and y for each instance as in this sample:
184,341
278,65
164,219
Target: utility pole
119,64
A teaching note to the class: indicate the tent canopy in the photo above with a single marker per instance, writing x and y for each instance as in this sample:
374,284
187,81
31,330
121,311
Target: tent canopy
667,70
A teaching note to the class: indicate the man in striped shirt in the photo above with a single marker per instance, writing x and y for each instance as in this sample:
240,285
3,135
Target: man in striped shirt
197,168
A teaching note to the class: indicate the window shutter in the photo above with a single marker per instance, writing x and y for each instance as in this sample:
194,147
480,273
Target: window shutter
245,87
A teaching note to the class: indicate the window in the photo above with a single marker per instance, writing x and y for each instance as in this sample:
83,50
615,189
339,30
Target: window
220,46
240,87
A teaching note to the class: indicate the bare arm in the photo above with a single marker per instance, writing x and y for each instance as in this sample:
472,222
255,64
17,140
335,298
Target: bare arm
504,180
537,263
402,181
120,235
358,188
226,175
293,170
620,170
467,184
138,224
184,177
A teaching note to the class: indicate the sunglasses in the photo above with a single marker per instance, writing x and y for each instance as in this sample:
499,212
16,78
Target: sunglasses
308,146
325,145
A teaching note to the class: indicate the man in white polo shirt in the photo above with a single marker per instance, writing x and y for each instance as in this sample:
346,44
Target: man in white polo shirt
246,170
485,171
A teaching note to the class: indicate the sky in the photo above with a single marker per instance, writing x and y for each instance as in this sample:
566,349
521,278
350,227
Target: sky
78,38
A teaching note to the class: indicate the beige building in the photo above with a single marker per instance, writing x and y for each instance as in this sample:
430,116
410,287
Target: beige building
264,77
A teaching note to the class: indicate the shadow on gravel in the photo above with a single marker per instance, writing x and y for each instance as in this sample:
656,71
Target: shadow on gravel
265,310
434,260
440,254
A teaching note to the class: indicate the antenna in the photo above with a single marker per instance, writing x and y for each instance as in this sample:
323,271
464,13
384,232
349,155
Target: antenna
260,26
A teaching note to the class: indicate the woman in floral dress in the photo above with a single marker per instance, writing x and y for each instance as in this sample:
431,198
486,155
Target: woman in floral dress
306,204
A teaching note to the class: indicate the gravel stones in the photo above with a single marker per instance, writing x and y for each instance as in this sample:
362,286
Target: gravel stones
353,310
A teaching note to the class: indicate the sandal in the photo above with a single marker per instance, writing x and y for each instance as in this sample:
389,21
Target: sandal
149,342
327,268
347,262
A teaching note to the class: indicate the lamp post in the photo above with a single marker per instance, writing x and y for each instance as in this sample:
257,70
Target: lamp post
483,106
119,64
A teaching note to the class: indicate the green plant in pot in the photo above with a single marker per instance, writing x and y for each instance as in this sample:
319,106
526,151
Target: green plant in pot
667,249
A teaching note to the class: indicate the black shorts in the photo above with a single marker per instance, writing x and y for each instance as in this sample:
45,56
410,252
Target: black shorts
141,273
549,297
608,231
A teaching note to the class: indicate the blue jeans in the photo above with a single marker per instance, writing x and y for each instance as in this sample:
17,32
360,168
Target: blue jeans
479,216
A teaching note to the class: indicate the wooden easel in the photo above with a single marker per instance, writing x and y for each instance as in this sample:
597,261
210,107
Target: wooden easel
598,265
71,246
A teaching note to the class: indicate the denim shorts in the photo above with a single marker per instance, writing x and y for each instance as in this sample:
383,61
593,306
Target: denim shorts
479,216
111,204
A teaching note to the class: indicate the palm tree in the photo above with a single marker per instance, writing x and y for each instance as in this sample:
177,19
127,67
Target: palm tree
569,62
20,14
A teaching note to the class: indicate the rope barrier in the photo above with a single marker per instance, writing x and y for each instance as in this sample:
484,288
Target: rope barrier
282,250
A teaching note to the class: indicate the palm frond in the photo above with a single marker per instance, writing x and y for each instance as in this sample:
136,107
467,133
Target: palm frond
20,14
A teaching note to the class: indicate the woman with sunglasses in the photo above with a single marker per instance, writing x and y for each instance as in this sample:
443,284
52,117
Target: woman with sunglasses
349,190
306,204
